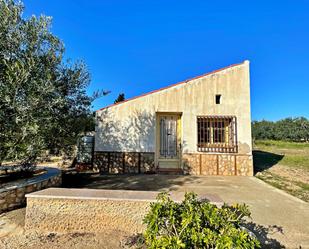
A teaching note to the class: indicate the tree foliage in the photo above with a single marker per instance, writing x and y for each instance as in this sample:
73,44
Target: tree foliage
120,98
289,129
196,224
43,99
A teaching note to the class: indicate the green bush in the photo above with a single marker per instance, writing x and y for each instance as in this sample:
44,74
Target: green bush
195,223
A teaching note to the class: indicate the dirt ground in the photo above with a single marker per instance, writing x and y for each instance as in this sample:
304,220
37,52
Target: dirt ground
13,236
284,165
294,181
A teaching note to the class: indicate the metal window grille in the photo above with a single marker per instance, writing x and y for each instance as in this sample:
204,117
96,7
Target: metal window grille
217,134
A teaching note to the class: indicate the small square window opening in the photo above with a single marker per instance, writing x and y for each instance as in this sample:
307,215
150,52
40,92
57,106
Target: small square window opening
218,99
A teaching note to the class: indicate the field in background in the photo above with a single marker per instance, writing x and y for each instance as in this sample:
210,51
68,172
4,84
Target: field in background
284,165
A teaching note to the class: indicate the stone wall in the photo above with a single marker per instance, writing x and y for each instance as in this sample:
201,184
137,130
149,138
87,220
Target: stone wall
217,164
193,163
244,165
124,162
12,195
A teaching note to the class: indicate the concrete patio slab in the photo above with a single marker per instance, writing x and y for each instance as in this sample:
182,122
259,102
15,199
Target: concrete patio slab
278,215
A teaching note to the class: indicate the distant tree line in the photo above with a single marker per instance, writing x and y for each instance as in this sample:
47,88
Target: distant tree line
288,129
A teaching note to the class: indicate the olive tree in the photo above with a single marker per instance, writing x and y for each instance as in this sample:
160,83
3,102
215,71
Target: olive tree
43,100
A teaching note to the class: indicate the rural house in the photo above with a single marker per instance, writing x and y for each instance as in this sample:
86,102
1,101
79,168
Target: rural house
200,126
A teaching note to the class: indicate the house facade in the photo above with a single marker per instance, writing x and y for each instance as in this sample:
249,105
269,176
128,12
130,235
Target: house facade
200,126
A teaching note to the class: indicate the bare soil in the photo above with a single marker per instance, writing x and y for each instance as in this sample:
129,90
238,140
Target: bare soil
294,181
284,165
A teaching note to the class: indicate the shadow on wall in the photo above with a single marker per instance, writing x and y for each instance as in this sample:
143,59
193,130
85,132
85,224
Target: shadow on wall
134,133
263,160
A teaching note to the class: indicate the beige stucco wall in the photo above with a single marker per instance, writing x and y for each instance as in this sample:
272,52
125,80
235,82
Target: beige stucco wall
130,126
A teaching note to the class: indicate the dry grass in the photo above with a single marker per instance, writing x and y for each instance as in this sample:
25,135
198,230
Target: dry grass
284,165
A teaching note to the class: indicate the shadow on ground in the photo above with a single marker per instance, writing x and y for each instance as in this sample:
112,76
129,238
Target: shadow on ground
152,182
263,232
263,160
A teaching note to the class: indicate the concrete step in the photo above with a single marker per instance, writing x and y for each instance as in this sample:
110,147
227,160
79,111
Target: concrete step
170,171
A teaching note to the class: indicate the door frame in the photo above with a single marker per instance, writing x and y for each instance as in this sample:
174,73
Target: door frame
179,139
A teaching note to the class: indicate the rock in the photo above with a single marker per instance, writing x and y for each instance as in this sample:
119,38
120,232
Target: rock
12,205
29,189
2,172
21,190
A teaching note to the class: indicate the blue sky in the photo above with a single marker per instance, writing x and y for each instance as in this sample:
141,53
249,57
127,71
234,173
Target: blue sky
138,46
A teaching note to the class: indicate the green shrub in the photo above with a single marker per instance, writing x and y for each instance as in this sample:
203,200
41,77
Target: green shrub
195,223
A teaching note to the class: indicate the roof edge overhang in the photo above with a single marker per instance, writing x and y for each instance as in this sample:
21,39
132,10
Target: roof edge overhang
176,84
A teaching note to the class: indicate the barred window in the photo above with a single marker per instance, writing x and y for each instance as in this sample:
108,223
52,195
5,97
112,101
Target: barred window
216,134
